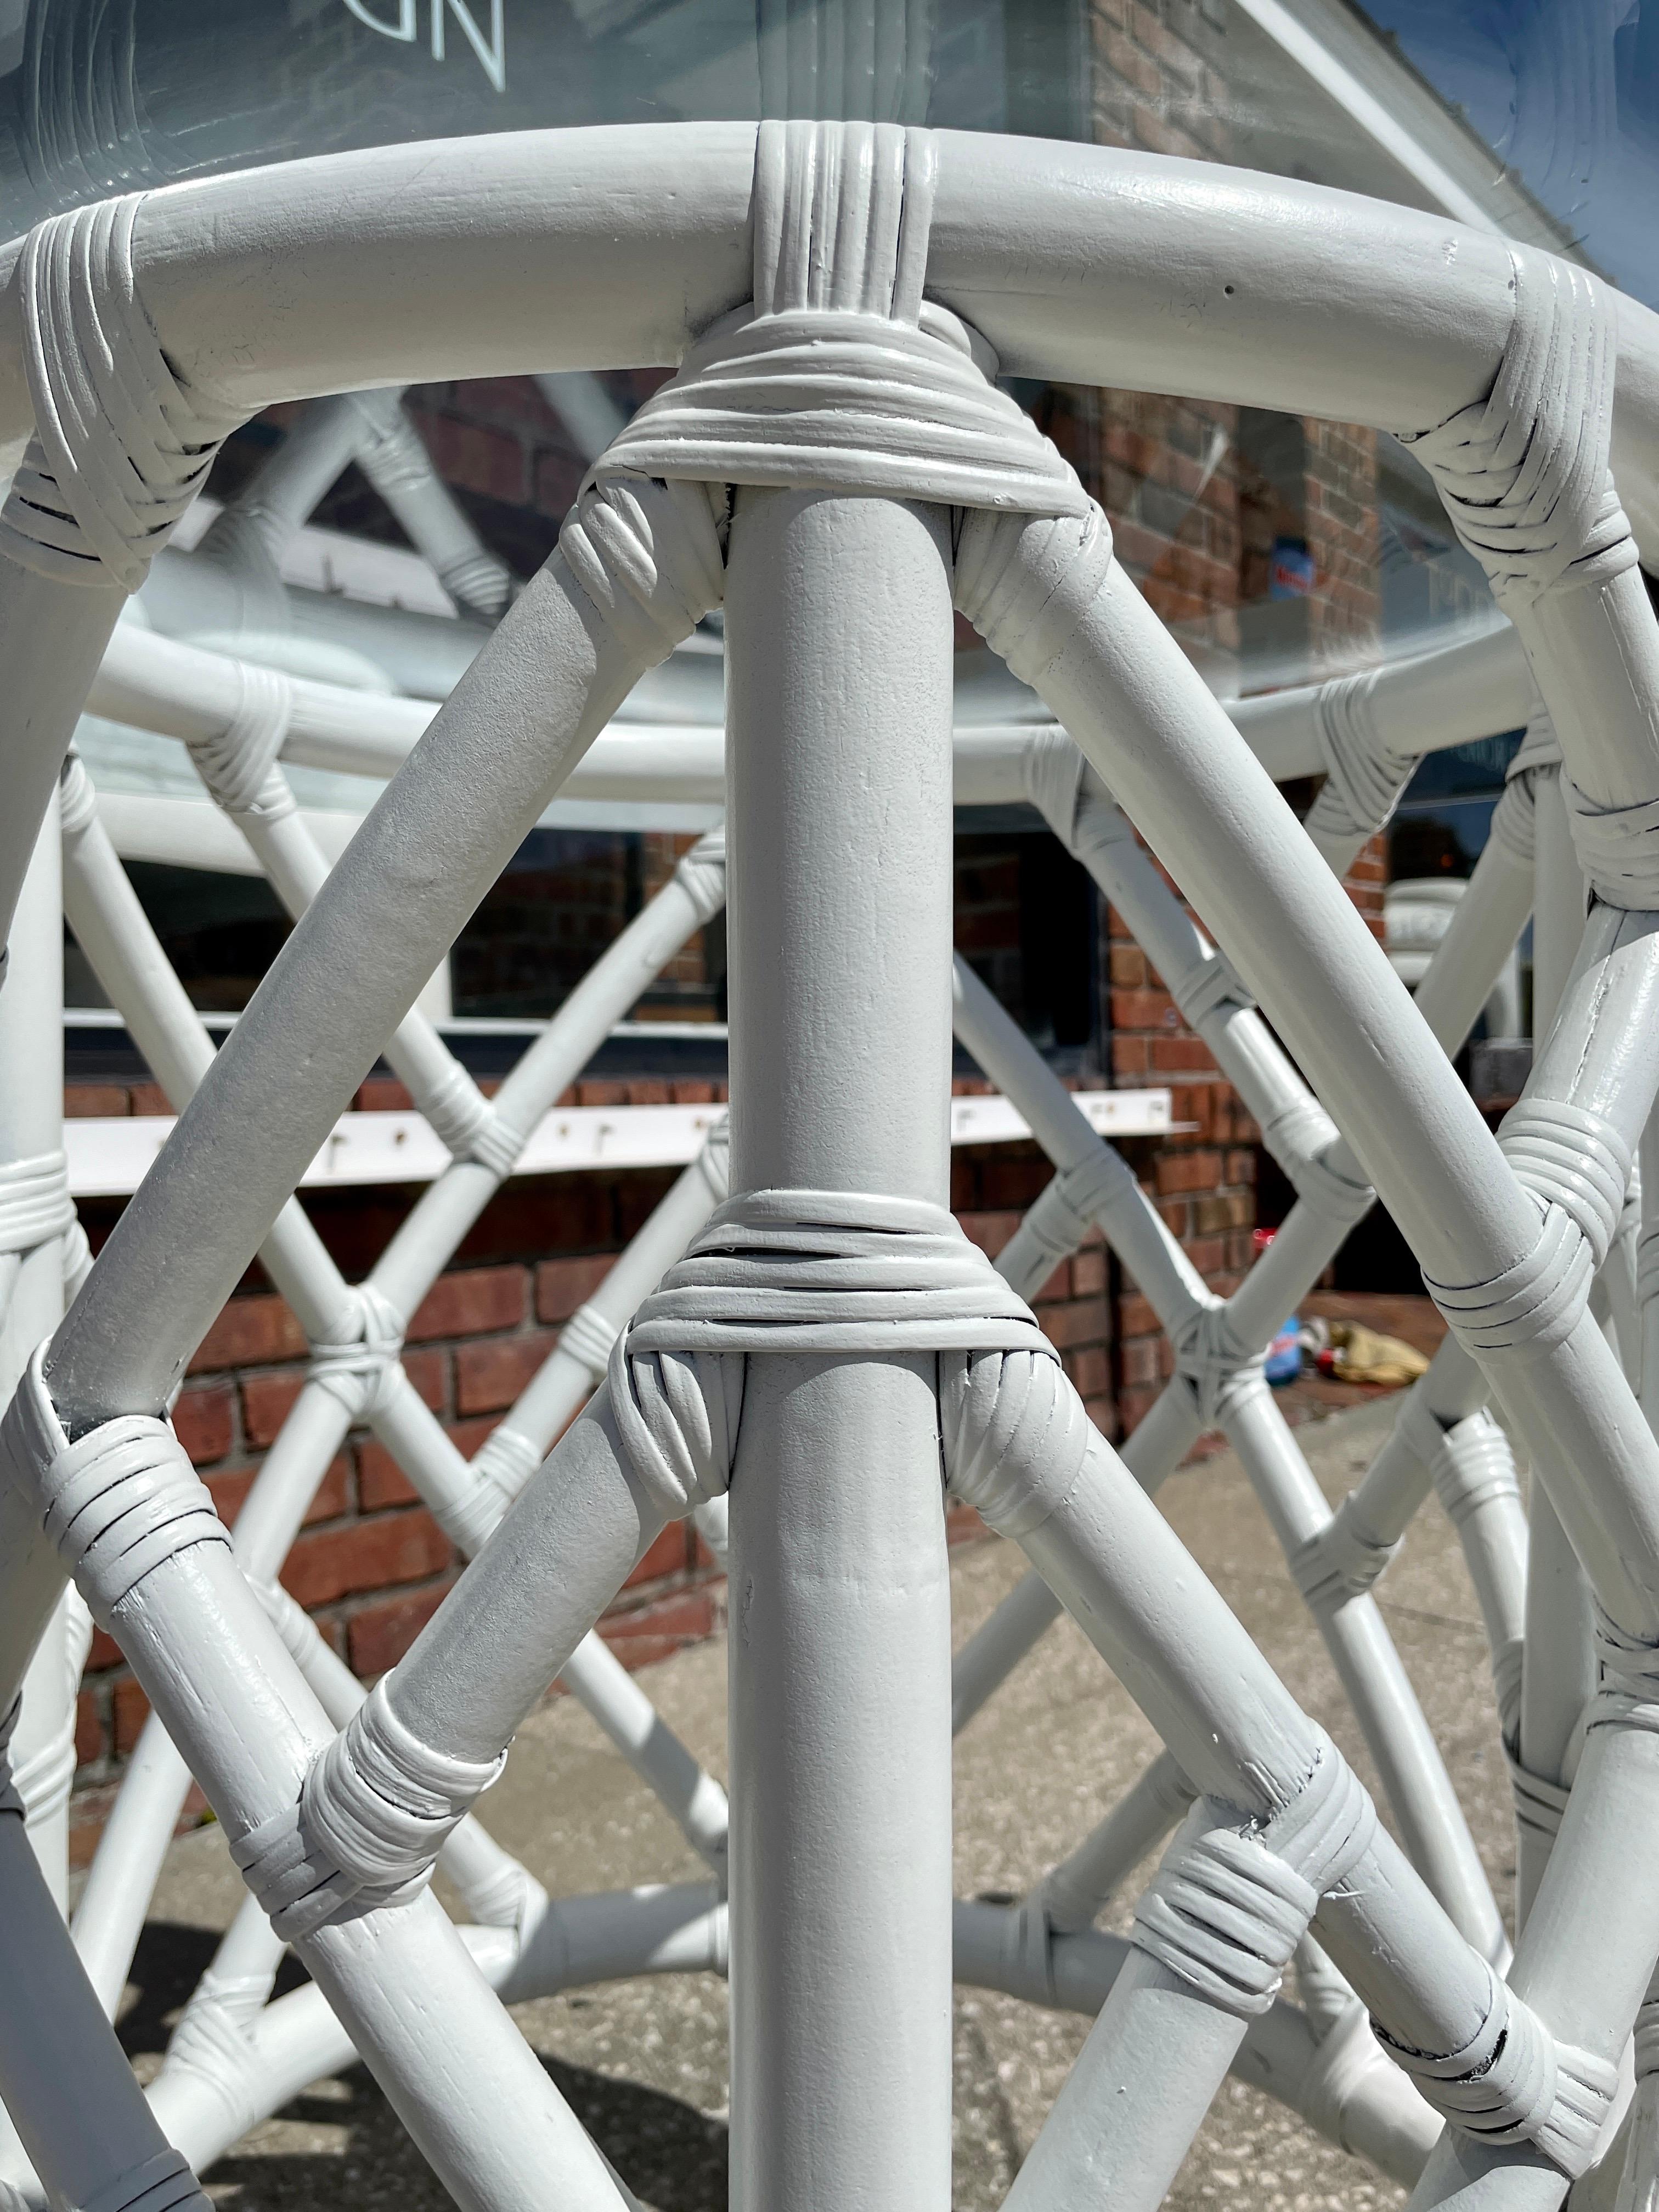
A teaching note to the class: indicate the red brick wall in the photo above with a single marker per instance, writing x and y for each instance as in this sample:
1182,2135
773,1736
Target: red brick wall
1203,1179
370,1564
1343,521
1159,70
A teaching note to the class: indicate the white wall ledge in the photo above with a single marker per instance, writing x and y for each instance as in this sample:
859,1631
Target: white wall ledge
109,1156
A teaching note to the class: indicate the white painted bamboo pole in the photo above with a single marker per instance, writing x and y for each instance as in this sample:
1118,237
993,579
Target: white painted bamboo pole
156,681
991,1654
1369,2108
115,934
574,1368
423,1245
1418,1788
1442,1438
1647,1271
1134,1591
132,967
578,1942
1131,1223
1607,1552
1459,1202
279,496
393,457
1157,1445
1557,1666
504,1634
36,1217
127,1864
1073,1894
1484,926
1412,1771
52,636
64,2080
253,532
1338,306
1149,2071
124,951
472,1505
1077,262
296,870
1615,1287
838,641
343,979
219,2036
1447,695
1485,923
231,1696
1419,1135
1437,1834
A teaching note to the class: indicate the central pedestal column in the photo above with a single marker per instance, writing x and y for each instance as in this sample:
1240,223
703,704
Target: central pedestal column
839,666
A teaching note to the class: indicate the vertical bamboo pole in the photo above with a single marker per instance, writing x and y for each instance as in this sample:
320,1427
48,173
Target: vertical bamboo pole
1557,1671
838,665
31,1125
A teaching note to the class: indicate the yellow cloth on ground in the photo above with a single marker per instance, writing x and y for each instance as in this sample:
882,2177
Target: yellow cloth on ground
1364,1355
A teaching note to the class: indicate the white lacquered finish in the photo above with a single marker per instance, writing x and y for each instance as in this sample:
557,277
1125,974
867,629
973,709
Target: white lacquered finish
827,1355
840,823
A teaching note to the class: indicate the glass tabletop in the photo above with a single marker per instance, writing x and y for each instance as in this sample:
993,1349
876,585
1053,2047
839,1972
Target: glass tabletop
1276,548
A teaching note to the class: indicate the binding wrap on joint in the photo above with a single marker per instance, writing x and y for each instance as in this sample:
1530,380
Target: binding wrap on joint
507,1459
213,2040
117,1503
162,2183
1221,1370
1627,1689
1514,822
820,1273
1639,2187
1232,1897
701,873
1363,778
1054,773
466,1124
1470,1463
1576,1165
839,374
1301,1138
392,456
123,442
41,1782
377,1806
239,764
1077,806
1541,1803
1345,1560
360,1361
1472,1467
1524,474
587,1336
1085,1195
1331,1193
11,1797
35,1205
1513,2083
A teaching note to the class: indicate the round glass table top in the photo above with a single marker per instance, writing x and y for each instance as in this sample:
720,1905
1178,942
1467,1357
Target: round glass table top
1531,116
1276,549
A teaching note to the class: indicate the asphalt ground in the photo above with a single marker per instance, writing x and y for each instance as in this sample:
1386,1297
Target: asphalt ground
644,2062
